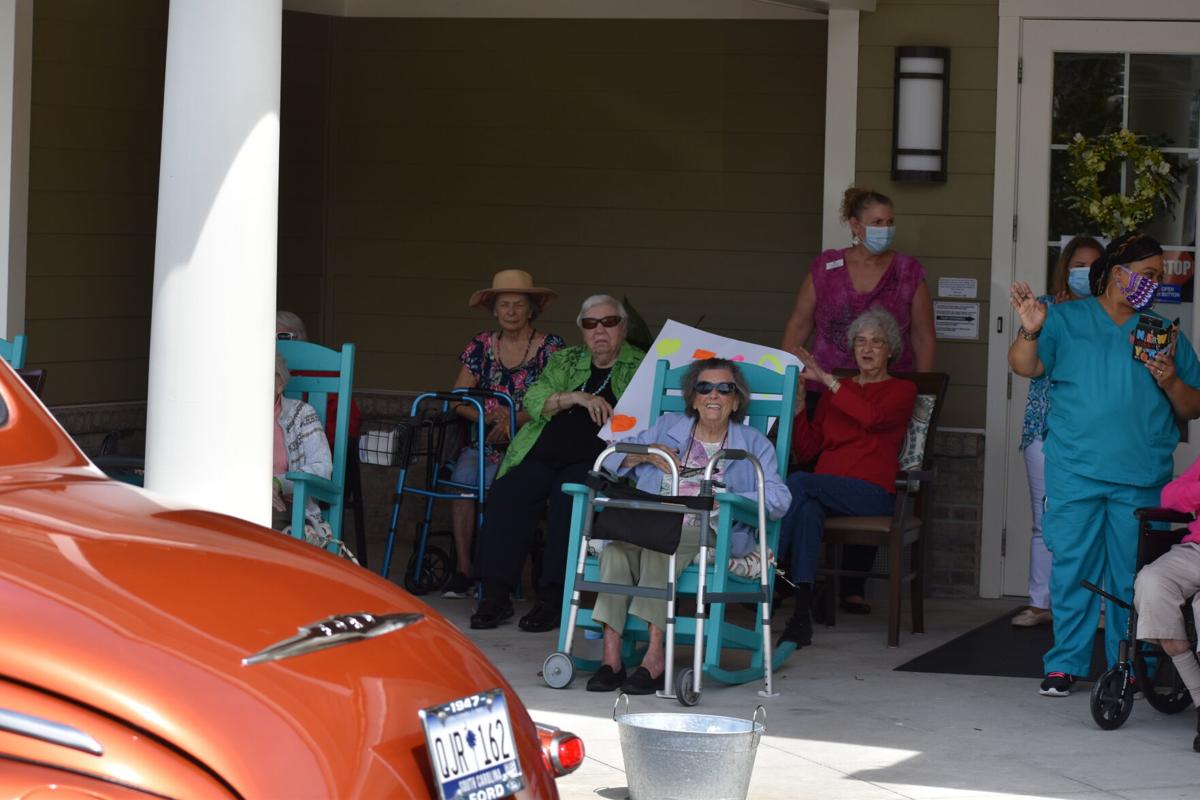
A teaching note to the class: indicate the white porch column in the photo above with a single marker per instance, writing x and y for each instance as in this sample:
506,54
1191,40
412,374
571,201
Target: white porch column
16,60
212,333
841,121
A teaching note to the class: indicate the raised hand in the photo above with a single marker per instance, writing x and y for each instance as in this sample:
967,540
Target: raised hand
812,370
1025,303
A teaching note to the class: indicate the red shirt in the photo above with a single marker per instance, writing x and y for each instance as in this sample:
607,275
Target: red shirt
857,432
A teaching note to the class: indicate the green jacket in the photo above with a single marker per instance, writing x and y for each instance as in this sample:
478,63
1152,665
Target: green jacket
565,372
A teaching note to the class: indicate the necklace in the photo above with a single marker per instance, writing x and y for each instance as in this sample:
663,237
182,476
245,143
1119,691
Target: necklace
687,453
524,359
600,389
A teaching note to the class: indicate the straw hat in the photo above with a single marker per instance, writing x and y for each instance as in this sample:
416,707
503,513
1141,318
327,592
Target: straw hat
512,280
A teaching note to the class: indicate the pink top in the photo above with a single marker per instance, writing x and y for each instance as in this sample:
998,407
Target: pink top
838,304
1183,494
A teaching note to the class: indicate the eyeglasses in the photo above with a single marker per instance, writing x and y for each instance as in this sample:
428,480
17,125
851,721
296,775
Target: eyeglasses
724,387
588,323
285,335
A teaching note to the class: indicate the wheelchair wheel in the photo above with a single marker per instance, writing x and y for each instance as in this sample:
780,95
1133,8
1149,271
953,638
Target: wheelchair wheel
558,671
1112,699
684,692
1159,681
435,572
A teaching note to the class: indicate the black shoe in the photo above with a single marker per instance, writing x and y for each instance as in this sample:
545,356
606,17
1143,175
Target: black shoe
606,680
458,587
855,607
542,617
640,682
490,614
798,632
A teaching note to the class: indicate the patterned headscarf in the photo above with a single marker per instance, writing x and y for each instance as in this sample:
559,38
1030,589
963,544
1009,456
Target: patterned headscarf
1124,249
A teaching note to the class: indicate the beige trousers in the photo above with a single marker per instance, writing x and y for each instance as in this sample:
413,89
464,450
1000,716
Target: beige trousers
1162,586
630,565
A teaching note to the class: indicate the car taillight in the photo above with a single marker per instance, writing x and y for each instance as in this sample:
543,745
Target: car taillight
562,752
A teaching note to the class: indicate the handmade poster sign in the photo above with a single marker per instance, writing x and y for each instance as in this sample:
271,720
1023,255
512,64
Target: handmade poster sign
681,344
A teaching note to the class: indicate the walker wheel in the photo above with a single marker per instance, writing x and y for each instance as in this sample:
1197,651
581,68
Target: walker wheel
684,692
558,671
1159,681
1112,699
435,572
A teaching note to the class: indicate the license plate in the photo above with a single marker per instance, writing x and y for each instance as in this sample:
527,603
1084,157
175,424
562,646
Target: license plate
471,748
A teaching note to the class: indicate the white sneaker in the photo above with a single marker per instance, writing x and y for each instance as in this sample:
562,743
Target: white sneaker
1031,617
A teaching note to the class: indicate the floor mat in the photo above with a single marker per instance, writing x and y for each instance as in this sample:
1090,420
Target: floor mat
997,648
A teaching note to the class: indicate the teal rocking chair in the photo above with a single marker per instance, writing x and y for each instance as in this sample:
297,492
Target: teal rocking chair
14,352
337,377
774,399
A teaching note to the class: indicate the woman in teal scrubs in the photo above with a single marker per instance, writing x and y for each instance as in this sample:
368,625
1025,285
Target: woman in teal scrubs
1111,437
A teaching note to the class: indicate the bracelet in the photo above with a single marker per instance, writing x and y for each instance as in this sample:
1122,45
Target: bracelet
1026,335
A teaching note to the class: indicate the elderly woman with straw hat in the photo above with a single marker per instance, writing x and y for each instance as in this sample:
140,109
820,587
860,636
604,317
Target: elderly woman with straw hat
506,360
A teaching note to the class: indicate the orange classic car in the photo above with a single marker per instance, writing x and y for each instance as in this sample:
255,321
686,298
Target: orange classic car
150,650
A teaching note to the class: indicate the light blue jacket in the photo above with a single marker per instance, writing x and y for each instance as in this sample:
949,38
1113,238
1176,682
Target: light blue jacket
674,431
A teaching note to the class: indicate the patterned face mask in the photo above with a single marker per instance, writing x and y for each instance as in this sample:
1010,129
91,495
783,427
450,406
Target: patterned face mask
1139,291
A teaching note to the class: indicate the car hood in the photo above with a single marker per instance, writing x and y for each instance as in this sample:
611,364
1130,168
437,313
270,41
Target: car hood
144,611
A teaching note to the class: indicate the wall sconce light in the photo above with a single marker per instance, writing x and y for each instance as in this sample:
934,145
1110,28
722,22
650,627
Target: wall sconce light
921,114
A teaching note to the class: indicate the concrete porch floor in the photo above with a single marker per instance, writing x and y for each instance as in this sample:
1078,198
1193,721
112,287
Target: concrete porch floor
846,727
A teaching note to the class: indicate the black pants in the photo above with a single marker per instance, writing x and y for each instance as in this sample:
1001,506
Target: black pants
514,506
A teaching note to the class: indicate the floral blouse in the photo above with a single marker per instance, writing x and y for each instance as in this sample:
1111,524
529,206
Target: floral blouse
1037,406
481,361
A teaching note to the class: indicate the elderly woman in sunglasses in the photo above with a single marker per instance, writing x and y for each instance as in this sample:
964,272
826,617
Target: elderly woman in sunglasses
567,404
716,395
855,435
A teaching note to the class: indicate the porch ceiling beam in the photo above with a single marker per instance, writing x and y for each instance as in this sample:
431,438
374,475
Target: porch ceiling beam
580,9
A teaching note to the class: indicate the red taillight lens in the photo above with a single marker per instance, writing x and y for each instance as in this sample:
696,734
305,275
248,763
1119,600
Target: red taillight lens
563,752
570,753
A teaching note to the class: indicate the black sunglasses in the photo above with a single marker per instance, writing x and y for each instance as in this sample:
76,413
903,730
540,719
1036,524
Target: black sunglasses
587,323
286,336
724,387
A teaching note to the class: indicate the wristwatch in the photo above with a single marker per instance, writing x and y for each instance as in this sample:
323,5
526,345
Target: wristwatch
1026,335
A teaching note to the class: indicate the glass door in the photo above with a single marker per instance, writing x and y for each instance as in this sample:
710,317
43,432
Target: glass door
1098,77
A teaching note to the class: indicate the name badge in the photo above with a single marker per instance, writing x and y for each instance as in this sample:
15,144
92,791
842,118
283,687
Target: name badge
834,264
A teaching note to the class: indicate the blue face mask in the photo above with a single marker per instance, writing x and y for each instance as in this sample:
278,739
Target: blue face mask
1077,281
878,239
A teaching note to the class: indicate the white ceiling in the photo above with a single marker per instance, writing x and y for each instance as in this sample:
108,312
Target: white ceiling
581,9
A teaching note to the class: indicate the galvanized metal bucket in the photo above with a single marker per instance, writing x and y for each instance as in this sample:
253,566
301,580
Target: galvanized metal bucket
672,756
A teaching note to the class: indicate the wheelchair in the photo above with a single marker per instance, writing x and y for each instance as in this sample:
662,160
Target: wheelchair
1141,666
558,670
429,566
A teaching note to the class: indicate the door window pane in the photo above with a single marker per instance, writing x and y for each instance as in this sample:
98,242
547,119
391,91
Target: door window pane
1088,94
1065,220
1177,226
1164,99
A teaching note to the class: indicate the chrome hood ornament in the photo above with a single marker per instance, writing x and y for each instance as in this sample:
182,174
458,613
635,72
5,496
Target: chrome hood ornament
332,632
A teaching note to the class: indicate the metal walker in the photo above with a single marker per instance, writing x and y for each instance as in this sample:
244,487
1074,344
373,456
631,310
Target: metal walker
558,670
421,576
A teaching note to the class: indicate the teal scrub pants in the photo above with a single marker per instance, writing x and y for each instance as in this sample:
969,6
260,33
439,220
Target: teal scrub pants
1090,530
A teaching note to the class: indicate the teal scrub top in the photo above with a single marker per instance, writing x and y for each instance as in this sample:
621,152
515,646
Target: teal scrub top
1108,419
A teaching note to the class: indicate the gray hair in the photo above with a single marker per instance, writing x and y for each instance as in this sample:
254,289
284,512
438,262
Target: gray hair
692,377
292,323
281,369
601,299
875,318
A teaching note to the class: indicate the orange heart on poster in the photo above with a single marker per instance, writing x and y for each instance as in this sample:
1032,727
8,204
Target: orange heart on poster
699,354
622,423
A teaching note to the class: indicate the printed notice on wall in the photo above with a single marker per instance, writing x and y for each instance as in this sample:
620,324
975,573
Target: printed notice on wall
956,320
958,287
